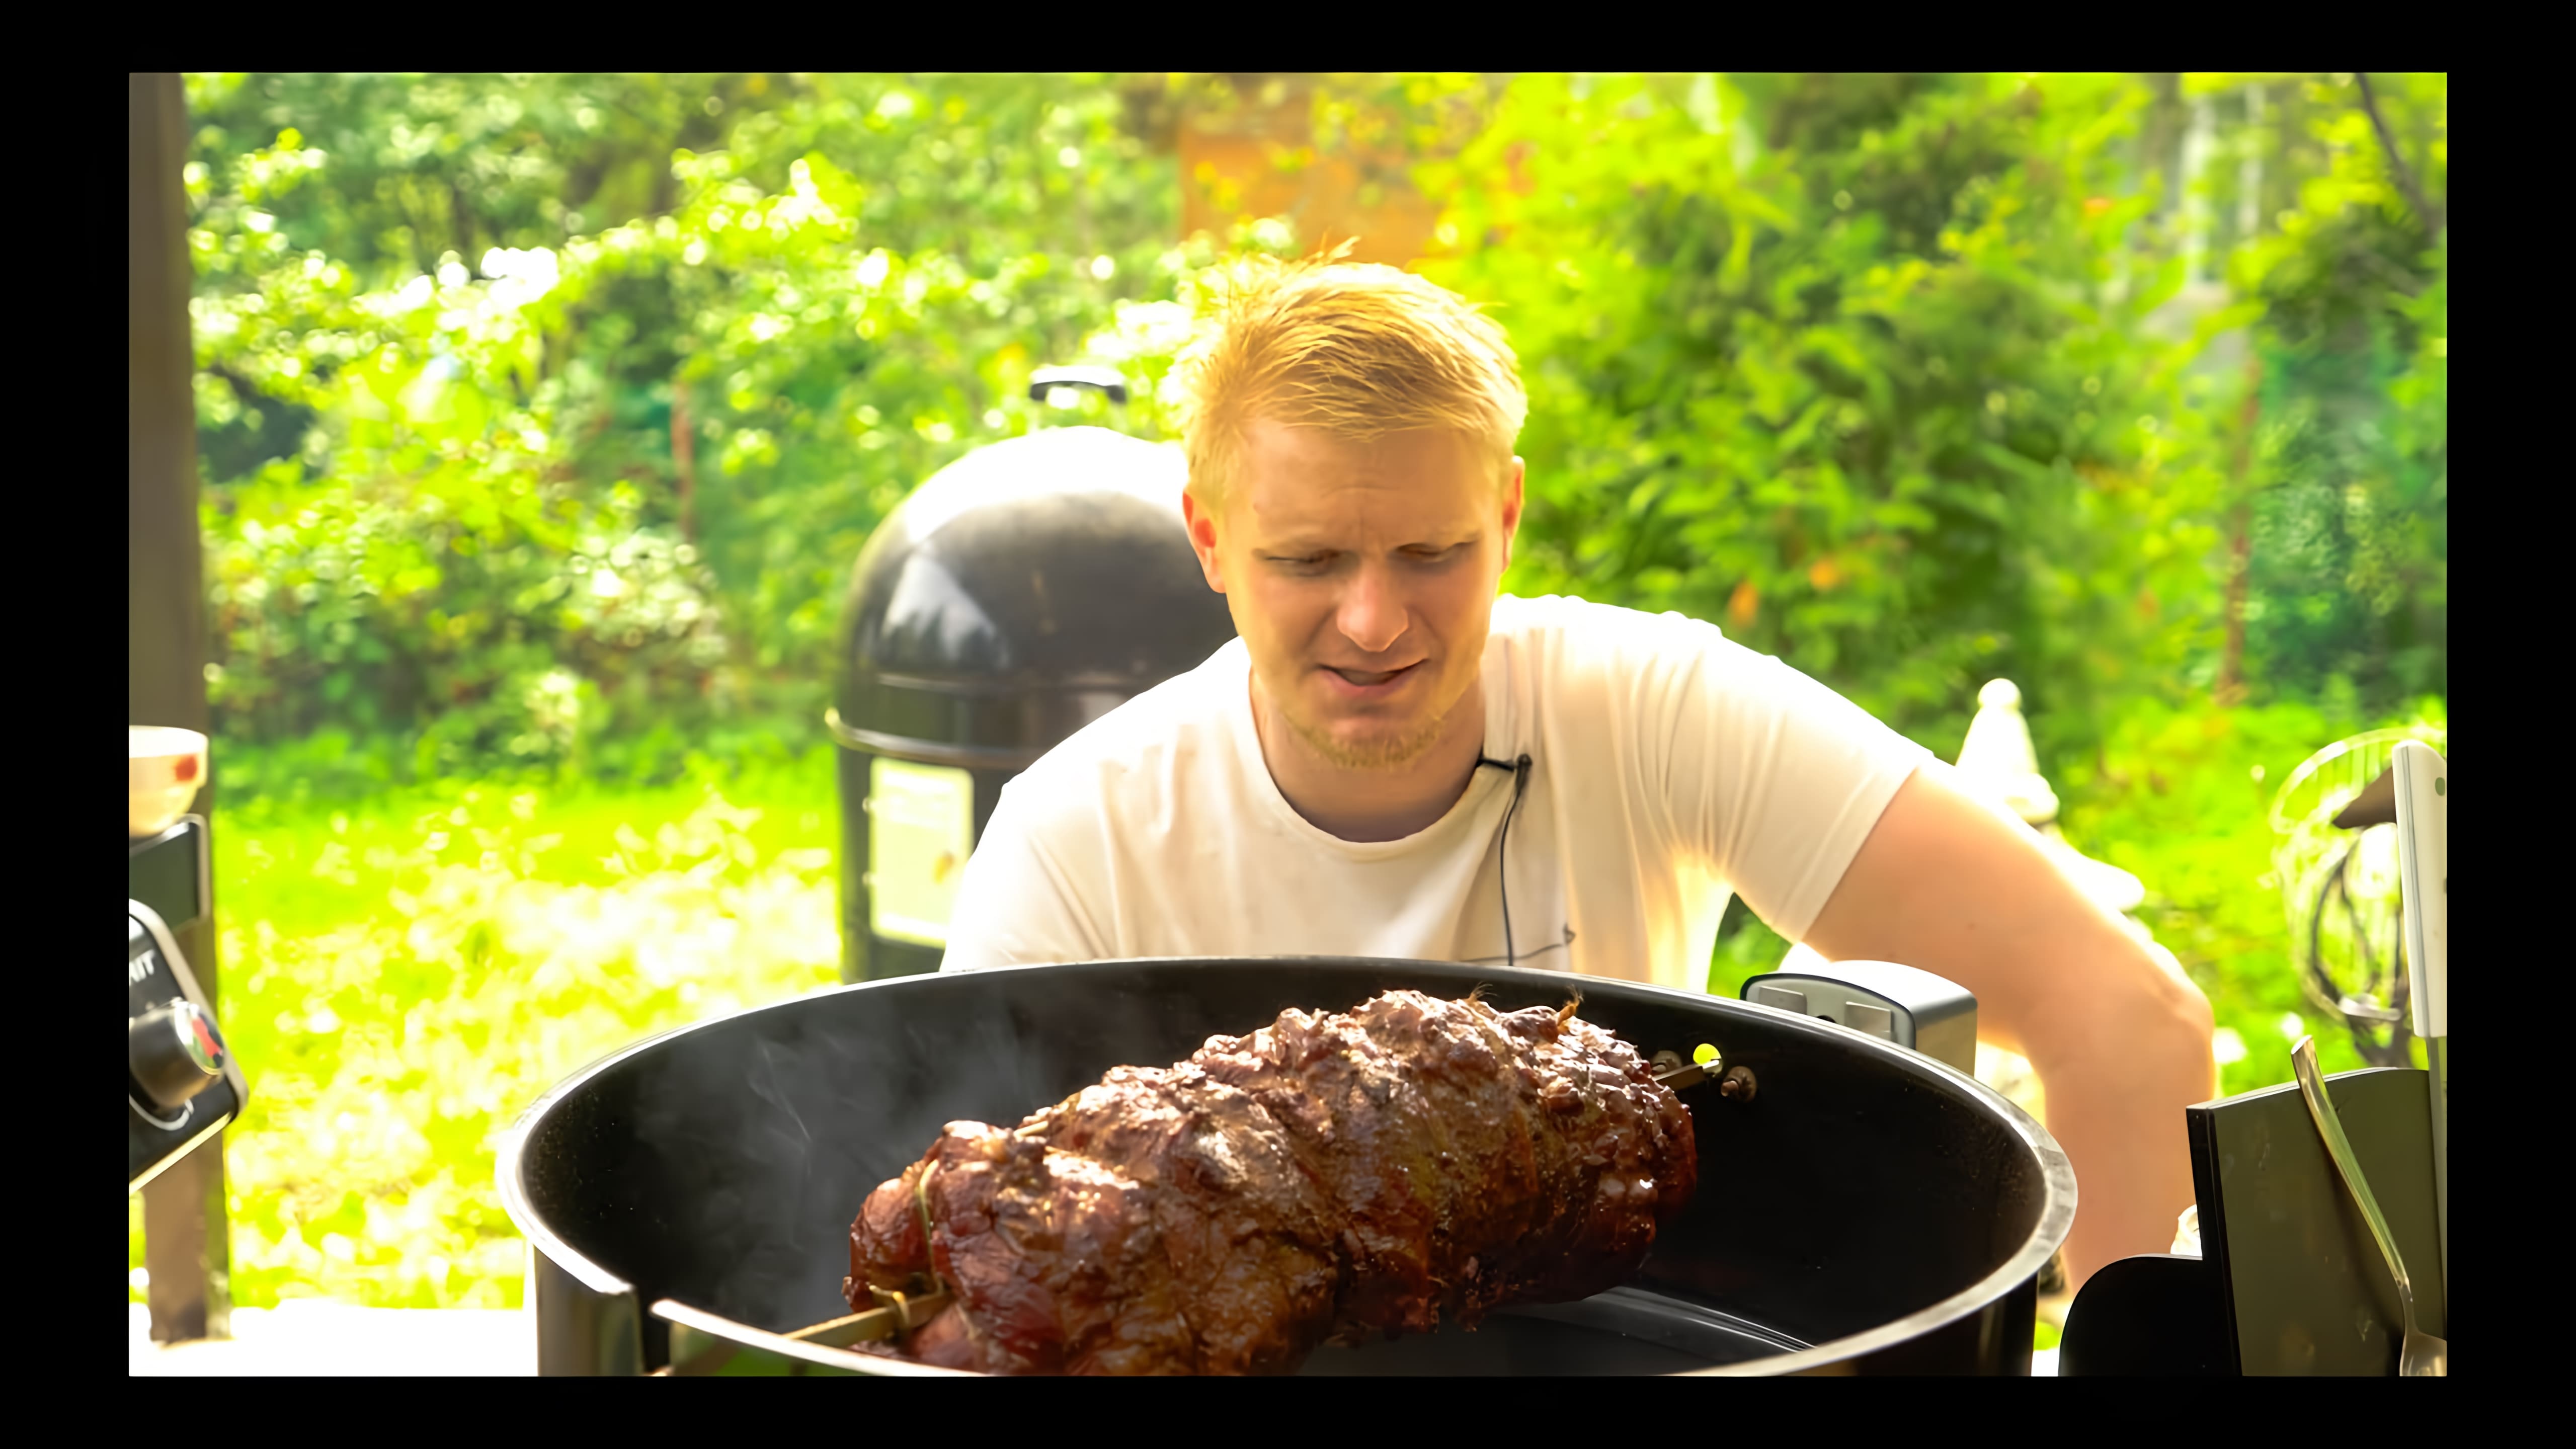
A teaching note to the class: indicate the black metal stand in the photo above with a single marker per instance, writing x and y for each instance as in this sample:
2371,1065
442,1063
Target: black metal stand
2305,1289
2292,1284
2146,1317
187,1243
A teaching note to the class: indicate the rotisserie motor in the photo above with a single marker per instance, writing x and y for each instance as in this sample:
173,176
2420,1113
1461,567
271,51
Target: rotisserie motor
1325,1179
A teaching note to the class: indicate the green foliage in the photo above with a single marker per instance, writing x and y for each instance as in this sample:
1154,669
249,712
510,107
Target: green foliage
403,976
2178,797
2350,497
490,475
1746,948
422,565
1886,374
1852,369
459,602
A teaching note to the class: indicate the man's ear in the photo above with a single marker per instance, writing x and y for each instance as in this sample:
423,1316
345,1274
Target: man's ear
1512,508
1201,522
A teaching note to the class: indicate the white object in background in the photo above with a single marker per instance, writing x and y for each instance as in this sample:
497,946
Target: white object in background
2424,881
2186,1243
165,768
1998,758
1998,754
2424,876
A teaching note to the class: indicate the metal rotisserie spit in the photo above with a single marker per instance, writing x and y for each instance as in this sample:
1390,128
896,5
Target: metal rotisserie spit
1860,1207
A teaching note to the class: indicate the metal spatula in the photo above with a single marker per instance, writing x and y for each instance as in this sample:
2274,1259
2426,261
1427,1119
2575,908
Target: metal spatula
2421,1355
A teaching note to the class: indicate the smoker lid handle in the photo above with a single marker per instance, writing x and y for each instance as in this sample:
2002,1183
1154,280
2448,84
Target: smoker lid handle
1107,379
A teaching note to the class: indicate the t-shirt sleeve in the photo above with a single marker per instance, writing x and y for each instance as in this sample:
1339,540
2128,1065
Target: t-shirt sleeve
1017,903
1772,778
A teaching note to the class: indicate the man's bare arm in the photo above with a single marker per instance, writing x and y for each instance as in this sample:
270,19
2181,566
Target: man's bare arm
1951,884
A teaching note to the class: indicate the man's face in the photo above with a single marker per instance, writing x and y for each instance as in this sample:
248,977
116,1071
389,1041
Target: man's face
1362,579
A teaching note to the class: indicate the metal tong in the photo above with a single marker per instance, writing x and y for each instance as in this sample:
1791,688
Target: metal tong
2420,1355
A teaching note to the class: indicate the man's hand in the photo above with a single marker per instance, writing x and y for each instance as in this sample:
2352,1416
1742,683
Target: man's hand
1952,884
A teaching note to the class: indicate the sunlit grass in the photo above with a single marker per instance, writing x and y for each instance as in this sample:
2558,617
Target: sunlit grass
402,979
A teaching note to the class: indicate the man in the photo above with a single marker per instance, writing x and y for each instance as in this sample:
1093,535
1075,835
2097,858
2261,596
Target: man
1392,761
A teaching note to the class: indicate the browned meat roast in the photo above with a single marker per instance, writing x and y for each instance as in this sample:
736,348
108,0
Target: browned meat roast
1325,1179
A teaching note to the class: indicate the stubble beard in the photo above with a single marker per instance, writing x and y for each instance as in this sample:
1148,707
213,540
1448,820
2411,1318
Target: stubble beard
1376,751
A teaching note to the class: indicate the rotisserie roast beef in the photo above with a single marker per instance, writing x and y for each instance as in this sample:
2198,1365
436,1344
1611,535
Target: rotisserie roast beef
1328,1178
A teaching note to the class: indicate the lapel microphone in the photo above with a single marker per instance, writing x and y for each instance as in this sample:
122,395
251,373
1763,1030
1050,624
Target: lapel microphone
1520,769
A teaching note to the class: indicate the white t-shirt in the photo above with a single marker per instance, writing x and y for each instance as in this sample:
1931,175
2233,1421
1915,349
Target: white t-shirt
1670,766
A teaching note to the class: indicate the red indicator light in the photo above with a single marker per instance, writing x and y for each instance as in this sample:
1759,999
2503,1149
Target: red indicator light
203,1044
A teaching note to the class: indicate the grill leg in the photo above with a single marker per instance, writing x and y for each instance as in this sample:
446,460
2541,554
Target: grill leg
186,1248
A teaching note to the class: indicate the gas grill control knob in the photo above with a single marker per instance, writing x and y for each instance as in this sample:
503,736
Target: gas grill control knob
173,1052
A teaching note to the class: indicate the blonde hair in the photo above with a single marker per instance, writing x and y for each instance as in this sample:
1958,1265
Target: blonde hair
1357,350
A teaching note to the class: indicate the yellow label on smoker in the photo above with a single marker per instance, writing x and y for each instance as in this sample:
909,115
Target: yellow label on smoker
921,828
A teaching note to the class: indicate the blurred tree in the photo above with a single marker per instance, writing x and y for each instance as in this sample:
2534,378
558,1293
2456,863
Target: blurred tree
542,415
635,306
1332,155
1844,364
2347,570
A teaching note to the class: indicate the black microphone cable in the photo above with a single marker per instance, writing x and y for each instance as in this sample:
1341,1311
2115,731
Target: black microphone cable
1520,769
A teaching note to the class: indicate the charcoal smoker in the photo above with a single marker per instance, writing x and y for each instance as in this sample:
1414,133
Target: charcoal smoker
1020,593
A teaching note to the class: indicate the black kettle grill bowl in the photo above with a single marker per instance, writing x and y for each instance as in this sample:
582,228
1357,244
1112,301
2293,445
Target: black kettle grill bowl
1867,1210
